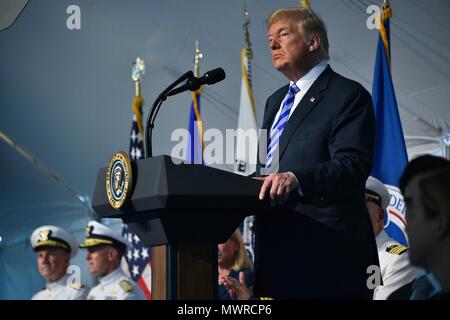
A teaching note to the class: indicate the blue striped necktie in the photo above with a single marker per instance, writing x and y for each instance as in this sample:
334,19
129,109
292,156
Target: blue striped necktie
278,128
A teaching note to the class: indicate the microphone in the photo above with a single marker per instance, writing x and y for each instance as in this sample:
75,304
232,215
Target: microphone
193,83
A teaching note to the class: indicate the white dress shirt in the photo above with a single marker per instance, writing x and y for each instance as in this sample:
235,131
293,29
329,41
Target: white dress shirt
396,270
62,290
116,286
304,83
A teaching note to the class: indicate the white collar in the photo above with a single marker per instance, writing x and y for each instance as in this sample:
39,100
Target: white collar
305,82
382,238
111,276
60,282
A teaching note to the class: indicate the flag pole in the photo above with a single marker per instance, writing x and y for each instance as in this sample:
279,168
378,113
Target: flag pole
246,149
137,71
305,3
245,26
198,56
247,54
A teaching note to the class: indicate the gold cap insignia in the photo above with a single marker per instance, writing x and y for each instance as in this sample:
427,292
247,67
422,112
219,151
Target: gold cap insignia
44,235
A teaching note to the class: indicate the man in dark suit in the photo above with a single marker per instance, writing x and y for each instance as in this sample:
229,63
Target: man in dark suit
320,137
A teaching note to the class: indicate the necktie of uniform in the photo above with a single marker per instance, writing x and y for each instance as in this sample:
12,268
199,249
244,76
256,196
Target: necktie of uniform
278,128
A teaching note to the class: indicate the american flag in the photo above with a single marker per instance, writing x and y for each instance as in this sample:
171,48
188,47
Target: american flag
138,258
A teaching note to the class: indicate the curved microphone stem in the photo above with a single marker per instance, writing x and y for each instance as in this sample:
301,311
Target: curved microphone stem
154,111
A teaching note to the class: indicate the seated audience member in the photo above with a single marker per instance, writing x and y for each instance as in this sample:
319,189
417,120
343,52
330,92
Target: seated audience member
235,269
55,247
396,270
419,165
427,198
105,250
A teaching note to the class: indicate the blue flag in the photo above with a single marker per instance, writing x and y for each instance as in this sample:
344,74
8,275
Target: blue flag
390,151
195,144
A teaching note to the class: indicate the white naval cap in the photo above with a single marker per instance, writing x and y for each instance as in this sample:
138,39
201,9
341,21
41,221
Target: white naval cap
55,237
377,192
99,234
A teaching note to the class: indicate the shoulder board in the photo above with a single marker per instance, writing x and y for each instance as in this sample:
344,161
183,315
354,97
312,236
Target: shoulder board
126,285
265,298
396,249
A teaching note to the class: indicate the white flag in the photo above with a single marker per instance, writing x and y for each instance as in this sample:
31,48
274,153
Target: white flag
247,133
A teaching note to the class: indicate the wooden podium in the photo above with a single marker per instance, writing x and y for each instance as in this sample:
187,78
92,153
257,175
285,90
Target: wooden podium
182,211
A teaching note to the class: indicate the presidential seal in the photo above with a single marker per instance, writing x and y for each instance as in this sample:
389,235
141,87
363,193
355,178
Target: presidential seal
119,179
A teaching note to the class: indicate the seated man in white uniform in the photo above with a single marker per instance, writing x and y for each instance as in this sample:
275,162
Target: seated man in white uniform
105,251
55,247
396,269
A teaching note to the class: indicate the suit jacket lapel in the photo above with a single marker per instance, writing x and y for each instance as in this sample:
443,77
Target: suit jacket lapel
272,110
269,116
306,105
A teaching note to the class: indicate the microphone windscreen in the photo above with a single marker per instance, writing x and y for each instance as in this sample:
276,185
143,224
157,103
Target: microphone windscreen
214,76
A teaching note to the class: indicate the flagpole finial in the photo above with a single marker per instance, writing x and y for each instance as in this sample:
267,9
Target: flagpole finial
137,71
445,141
245,26
305,3
197,57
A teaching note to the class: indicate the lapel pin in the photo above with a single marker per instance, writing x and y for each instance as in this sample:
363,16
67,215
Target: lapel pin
312,99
